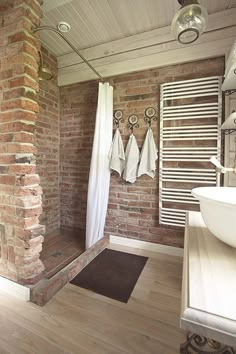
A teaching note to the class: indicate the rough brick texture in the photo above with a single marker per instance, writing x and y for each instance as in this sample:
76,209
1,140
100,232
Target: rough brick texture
47,141
78,109
20,194
133,208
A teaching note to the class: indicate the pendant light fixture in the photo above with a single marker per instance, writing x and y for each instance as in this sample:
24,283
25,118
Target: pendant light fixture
189,22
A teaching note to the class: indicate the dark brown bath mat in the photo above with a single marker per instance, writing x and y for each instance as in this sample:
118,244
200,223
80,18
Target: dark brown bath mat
112,274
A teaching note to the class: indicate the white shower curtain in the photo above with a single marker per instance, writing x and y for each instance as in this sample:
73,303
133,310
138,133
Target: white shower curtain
99,175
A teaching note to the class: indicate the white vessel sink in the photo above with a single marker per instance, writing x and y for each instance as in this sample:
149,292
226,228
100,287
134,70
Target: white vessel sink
218,208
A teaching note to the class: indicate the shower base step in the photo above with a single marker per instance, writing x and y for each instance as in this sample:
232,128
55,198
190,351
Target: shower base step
60,248
46,288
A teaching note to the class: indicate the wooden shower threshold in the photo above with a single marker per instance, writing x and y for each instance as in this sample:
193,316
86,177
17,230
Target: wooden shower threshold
46,288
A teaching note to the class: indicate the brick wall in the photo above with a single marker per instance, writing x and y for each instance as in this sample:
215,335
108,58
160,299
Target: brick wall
133,208
20,194
47,141
78,109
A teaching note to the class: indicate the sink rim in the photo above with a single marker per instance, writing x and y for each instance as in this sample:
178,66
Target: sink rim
200,193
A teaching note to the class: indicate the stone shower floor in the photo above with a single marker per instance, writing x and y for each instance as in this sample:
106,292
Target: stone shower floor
61,247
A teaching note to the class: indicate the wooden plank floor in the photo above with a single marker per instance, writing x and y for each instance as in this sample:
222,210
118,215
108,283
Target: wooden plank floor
79,321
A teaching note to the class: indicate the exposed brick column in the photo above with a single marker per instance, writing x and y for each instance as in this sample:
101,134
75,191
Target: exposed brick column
21,235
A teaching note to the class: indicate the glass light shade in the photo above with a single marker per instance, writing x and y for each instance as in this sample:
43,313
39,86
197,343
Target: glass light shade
189,22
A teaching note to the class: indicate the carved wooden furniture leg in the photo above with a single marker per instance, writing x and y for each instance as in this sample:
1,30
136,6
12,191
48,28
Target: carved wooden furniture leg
202,345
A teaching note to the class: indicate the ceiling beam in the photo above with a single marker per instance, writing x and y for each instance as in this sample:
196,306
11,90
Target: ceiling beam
149,50
118,46
146,39
207,38
170,57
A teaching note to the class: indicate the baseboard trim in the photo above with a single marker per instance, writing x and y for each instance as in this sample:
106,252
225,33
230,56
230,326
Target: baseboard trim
154,247
12,288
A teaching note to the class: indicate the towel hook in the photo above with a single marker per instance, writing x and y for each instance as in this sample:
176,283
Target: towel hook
118,118
133,122
150,115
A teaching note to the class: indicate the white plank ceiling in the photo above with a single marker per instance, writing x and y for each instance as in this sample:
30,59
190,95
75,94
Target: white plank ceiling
95,22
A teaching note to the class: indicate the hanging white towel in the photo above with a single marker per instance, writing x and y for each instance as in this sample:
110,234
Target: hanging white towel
132,160
117,154
148,157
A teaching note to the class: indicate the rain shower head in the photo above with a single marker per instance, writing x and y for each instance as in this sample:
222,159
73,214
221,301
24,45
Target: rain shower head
43,72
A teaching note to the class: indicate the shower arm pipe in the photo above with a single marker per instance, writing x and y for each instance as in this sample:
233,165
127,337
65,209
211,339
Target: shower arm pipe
42,28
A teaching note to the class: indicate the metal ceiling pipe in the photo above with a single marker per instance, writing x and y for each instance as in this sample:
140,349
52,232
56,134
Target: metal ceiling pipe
41,28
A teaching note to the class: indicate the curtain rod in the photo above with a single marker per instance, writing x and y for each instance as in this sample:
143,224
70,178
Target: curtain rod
41,28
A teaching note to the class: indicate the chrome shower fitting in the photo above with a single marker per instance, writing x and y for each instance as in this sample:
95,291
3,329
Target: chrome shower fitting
43,72
49,28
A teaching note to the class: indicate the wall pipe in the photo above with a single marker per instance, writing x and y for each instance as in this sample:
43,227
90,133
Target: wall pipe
41,28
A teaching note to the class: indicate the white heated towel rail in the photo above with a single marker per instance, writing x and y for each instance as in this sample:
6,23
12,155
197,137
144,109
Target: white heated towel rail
190,123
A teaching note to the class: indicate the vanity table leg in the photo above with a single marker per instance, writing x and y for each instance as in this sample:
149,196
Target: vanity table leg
201,345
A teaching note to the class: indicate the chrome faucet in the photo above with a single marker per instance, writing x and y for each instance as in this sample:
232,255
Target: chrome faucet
220,168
